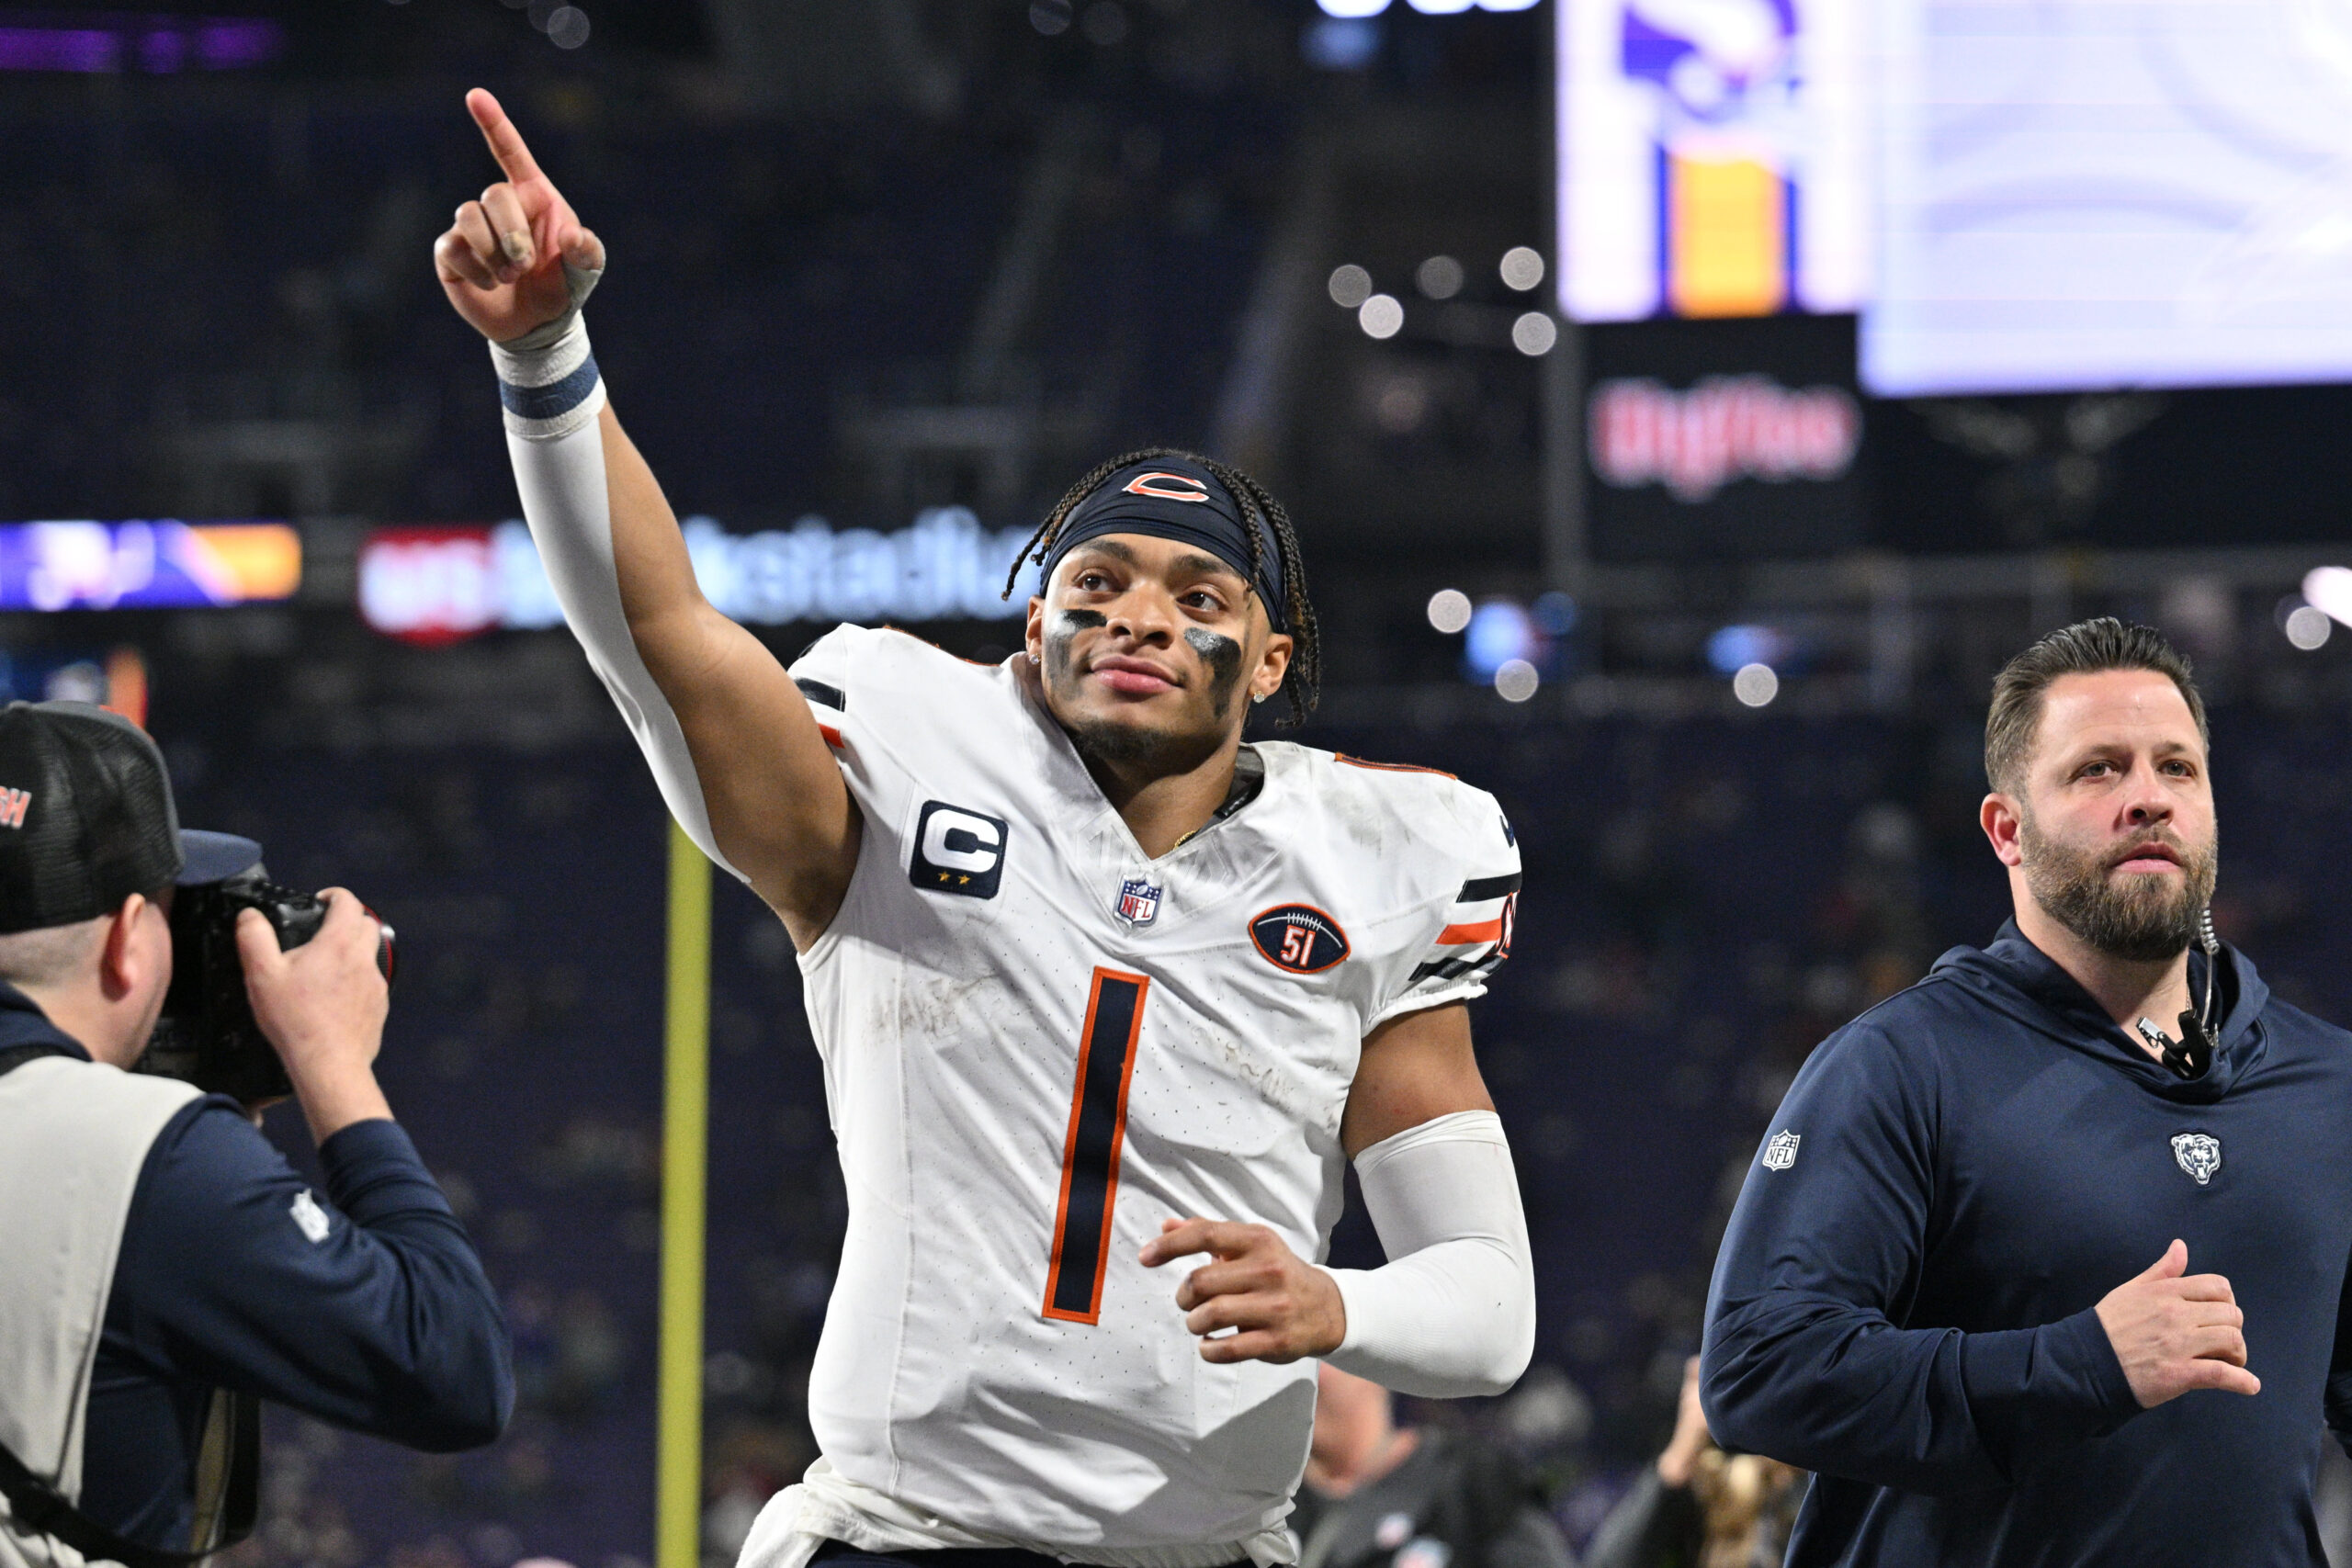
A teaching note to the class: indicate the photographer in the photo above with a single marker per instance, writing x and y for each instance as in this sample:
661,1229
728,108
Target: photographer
161,1267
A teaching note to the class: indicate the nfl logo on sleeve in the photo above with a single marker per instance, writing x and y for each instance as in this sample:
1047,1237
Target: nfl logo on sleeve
1138,902
1781,1151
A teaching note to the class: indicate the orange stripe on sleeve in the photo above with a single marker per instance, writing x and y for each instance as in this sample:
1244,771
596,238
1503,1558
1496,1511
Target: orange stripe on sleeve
1386,767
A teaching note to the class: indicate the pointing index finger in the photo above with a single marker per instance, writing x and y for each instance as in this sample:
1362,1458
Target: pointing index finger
505,142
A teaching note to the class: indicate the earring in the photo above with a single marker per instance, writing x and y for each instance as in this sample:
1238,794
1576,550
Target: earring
1260,696
1033,659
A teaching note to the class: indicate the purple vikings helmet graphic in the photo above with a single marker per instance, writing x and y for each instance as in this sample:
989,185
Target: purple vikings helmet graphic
1724,78
1712,59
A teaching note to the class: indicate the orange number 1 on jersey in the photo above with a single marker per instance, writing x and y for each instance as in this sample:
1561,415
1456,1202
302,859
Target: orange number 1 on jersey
1098,1127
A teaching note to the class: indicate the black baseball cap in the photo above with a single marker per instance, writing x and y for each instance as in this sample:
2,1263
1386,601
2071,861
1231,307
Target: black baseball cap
87,818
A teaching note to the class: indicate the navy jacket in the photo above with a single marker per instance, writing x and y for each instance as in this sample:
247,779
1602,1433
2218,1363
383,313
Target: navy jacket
385,1323
1903,1302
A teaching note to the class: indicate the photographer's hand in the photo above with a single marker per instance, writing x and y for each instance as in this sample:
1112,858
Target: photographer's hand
322,1006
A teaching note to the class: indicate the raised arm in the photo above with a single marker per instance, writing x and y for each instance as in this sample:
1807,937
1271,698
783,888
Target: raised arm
739,757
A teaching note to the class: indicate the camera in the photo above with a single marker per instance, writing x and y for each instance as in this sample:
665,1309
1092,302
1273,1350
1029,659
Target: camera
207,1034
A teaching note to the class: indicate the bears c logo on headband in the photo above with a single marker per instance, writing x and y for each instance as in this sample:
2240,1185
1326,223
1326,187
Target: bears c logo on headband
1149,484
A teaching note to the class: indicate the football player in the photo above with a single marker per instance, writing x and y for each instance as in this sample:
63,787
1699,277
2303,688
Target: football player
1099,989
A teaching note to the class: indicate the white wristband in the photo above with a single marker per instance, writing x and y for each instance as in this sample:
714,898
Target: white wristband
549,391
1453,1313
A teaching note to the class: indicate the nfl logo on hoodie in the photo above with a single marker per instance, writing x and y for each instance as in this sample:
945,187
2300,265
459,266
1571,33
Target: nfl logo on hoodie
1781,1151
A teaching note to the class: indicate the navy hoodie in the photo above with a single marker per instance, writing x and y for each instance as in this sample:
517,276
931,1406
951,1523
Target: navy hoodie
1903,1301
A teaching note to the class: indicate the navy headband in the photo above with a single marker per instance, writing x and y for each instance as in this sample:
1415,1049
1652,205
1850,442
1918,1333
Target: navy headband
1173,498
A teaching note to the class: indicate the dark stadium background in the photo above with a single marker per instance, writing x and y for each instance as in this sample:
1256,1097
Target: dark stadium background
838,225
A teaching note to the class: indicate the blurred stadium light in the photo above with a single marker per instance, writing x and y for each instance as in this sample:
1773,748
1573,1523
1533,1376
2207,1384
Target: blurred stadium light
1756,685
156,44
1448,610
1427,7
1499,632
1735,647
116,678
2308,627
2329,589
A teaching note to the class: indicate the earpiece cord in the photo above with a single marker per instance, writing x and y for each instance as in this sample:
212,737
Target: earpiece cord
2188,1056
2212,947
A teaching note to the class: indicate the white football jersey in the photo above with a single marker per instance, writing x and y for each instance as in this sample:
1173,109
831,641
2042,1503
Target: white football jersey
1038,1044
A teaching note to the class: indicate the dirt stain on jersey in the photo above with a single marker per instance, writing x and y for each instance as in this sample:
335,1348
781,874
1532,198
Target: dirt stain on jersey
941,1010
1363,819
1283,1091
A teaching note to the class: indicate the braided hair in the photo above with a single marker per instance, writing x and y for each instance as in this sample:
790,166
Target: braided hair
1303,678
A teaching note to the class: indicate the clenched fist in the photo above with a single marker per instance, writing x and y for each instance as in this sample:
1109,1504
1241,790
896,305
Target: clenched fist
2174,1334
503,263
1280,1306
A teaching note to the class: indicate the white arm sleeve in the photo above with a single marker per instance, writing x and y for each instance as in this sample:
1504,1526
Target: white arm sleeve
552,396
1453,1313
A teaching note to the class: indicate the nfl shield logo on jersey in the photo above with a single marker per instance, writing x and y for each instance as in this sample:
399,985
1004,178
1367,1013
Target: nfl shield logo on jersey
1138,902
2199,1154
1781,1151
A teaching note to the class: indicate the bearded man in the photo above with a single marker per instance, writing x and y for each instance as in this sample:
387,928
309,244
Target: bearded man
1936,1293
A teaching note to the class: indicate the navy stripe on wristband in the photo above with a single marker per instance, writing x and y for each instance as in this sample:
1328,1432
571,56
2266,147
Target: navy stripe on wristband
553,401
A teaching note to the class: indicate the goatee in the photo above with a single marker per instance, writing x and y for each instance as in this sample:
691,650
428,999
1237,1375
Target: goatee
2144,919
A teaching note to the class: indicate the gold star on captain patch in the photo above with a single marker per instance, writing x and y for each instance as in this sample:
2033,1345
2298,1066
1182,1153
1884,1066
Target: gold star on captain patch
961,880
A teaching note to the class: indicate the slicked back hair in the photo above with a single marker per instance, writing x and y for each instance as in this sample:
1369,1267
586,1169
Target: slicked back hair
2087,647
1303,677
